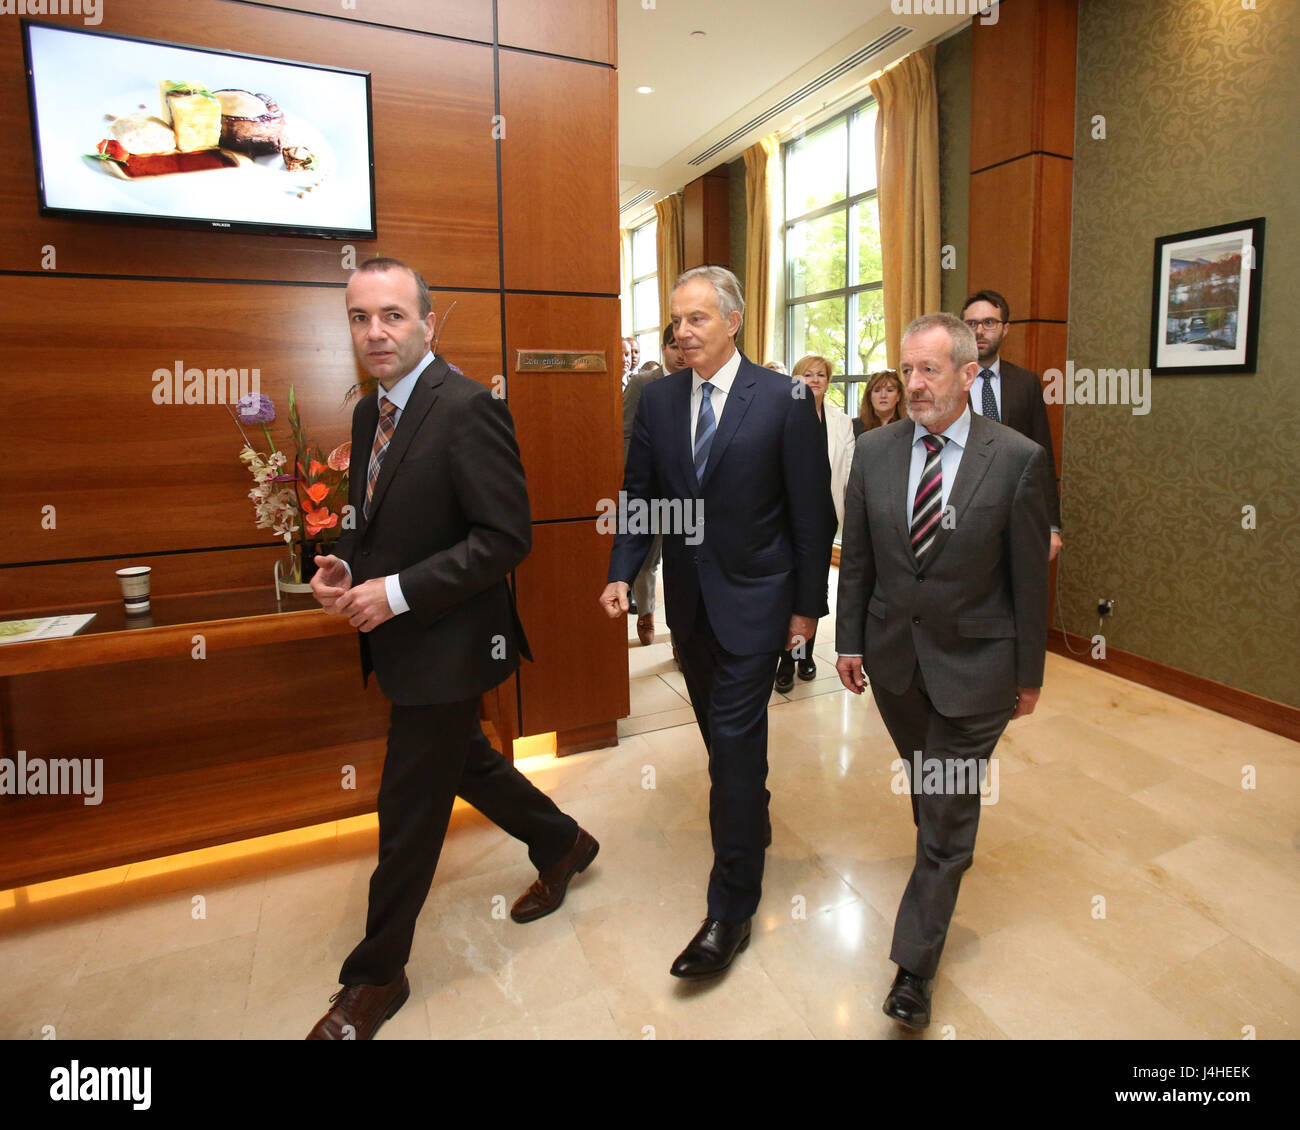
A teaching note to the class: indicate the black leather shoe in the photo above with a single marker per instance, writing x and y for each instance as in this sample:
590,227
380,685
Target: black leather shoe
784,676
909,1000
807,669
712,949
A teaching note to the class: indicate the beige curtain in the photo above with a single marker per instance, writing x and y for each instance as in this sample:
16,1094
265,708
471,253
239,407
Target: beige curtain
907,160
760,169
670,246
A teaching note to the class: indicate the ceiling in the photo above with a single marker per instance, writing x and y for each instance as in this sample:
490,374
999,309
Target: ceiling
760,67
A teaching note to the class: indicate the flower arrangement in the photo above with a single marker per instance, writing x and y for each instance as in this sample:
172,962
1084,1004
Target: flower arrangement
305,498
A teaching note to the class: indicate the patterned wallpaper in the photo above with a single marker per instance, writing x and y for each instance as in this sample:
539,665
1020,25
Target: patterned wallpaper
1201,100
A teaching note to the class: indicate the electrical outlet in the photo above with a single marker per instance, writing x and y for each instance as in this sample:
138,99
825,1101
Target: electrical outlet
1105,606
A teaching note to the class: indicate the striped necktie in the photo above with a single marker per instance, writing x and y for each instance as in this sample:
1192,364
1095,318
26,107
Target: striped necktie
383,434
928,505
706,424
988,402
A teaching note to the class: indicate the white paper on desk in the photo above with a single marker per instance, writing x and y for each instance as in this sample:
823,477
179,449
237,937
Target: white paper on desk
47,628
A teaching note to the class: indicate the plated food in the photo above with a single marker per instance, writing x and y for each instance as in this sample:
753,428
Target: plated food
199,129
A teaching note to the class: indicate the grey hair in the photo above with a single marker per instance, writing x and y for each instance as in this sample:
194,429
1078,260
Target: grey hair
962,347
725,285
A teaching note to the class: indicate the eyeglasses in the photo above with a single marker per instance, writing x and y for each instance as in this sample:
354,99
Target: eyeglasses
987,323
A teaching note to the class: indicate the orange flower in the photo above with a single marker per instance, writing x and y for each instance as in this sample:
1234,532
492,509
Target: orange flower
317,520
317,492
340,456
318,468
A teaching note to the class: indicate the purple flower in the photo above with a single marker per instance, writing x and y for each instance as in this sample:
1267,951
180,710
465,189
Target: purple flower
255,409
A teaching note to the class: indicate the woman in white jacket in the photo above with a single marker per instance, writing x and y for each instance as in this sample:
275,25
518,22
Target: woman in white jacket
815,371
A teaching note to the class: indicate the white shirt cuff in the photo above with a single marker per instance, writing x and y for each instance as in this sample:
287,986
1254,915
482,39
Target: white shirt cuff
396,601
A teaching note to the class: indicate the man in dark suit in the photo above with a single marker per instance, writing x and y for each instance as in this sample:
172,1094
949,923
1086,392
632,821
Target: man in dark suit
740,450
441,509
943,601
1007,393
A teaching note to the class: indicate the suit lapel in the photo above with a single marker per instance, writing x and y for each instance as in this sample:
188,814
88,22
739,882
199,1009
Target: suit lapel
679,438
974,466
417,407
738,401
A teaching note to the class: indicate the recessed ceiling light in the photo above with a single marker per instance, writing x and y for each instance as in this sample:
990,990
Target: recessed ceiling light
700,33
645,89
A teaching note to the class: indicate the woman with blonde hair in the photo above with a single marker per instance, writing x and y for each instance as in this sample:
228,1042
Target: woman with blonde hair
815,371
882,402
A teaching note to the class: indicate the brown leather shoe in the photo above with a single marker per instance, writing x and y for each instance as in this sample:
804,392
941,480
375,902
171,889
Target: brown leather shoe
645,630
547,892
357,1011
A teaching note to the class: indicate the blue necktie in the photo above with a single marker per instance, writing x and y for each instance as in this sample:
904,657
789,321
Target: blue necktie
705,426
988,402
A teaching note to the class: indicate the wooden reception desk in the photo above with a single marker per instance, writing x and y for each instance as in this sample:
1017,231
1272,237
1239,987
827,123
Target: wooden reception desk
217,717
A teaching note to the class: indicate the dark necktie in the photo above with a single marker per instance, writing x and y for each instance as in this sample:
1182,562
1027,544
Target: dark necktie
928,505
706,424
988,402
383,434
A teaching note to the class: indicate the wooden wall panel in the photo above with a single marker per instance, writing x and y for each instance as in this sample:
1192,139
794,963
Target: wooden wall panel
441,17
570,425
127,475
580,673
1019,242
583,29
559,175
706,219
64,584
435,157
1022,73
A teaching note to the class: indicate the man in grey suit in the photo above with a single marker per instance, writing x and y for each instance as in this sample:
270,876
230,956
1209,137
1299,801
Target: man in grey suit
943,602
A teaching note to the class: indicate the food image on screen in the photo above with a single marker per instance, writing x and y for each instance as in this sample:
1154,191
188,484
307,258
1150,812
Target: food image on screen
132,128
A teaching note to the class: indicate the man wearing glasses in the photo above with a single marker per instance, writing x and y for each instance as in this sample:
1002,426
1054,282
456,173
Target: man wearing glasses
1007,393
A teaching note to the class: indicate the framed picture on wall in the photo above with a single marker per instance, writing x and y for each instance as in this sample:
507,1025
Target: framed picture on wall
1205,300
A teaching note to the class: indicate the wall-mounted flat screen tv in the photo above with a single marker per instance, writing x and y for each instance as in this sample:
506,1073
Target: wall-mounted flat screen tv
151,132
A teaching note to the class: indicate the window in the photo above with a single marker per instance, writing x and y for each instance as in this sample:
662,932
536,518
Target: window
641,293
833,298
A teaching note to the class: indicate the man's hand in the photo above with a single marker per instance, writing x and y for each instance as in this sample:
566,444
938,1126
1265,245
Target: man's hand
614,599
365,605
1056,546
330,581
801,631
1026,700
850,672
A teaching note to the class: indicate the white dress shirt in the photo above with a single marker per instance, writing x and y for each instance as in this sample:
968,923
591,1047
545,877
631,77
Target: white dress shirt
721,382
949,459
399,394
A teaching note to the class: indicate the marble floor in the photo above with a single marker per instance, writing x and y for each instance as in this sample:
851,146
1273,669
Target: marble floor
1125,885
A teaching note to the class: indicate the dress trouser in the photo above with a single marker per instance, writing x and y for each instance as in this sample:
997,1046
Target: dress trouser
436,753
954,755
729,694
807,648
643,586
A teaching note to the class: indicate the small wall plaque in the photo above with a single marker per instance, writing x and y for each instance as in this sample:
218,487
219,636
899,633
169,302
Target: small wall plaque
560,361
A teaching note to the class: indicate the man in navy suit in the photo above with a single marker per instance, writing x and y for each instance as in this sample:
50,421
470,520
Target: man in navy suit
741,452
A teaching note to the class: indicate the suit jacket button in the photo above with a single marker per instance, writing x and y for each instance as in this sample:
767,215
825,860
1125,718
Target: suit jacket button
916,619
919,580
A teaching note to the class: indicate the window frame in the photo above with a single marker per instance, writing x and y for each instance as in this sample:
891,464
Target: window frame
848,382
